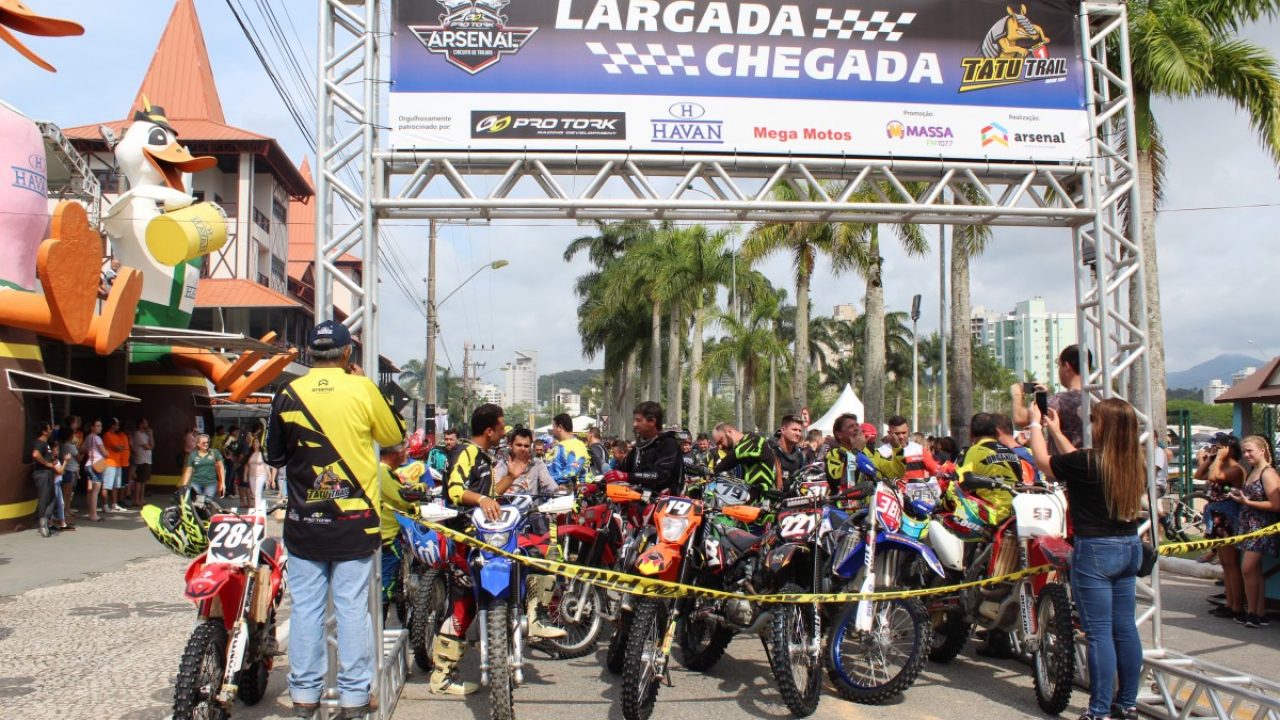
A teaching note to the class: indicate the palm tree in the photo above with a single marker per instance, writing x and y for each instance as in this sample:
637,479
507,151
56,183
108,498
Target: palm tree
698,264
966,242
640,272
1185,49
606,324
754,344
805,242
411,378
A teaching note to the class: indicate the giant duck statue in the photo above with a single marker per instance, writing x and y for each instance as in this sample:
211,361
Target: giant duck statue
158,226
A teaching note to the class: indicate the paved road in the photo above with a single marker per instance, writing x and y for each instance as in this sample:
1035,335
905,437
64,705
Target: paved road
93,624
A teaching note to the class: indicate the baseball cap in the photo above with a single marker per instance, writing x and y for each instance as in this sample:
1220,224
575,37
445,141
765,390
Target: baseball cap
328,335
868,431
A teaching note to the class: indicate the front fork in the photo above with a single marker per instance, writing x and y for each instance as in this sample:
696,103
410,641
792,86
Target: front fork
516,621
1027,604
238,642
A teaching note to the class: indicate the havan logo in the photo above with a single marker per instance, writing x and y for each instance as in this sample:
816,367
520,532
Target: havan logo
687,126
473,34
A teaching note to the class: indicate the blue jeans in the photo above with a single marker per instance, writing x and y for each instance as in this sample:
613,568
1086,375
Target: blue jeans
310,584
1104,573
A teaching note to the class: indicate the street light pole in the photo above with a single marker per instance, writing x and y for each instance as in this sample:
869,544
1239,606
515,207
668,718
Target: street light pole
915,365
429,372
944,420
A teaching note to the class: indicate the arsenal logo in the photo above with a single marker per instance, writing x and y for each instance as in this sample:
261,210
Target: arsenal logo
473,34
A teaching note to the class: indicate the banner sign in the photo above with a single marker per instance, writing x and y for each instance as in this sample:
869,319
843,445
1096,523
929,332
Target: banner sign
954,79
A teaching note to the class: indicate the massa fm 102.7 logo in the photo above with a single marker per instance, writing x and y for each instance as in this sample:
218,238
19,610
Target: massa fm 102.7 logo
473,34
1014,51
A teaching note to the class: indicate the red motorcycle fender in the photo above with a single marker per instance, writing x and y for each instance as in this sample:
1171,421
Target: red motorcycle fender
577,532
660,561
223,582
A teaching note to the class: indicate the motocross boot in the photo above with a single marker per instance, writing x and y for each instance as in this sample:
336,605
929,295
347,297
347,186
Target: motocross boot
541,592
446,651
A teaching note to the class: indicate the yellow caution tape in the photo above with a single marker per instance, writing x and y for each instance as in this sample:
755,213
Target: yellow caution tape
1194,545
652,587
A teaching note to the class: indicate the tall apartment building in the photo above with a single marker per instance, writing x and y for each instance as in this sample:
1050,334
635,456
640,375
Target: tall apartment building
522,379
1210,392
1027,340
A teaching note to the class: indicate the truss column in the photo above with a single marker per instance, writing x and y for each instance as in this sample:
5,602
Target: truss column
1110,242
348,64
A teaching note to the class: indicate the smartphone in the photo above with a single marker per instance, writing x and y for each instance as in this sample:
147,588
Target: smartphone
1028,387
1042,402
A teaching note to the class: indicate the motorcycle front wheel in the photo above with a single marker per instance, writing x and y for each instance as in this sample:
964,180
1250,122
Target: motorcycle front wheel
252,680
874,667
794,656
1054,657
642,666
200,675
702,640
501,679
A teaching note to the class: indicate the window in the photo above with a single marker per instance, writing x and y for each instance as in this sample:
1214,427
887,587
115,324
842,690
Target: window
277,267
277,211
261,220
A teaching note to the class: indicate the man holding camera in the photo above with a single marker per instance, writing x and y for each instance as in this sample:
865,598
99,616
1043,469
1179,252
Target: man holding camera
1068,403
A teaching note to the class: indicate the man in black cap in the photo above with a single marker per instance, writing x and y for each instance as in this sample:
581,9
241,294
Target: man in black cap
323,428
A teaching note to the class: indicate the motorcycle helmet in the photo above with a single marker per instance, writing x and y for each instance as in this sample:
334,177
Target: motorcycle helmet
182,527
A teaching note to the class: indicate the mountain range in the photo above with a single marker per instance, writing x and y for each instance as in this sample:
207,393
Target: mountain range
1221,367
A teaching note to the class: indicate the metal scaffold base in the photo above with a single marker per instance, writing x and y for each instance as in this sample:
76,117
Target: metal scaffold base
1181,687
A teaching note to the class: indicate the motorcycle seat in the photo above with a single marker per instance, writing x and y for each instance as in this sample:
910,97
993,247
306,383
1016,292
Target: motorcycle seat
741,539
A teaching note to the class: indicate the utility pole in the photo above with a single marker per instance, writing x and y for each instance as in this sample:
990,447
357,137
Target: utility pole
429,372
470,375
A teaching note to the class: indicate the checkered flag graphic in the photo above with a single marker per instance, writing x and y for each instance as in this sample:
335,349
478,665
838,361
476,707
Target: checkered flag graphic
879,26
640,63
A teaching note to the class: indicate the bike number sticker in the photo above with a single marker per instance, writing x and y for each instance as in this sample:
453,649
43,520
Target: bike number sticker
232,539
676,506
797,526
889,509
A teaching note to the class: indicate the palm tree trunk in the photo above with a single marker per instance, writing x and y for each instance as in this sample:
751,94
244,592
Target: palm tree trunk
773,395
873,364
675,404
1153,386
961,343
735,367
655,353
695,369
800,368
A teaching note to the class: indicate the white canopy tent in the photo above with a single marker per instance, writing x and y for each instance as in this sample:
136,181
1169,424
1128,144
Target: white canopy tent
848,402
581,424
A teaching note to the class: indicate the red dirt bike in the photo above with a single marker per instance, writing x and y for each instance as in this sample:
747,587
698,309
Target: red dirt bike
237,585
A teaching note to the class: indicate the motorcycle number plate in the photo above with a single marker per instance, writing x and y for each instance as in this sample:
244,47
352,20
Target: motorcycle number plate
232,539
889,510
798,525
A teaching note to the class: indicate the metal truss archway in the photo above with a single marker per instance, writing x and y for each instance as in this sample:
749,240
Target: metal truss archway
1090,199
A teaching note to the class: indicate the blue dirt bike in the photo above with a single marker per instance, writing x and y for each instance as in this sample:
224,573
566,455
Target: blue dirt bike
878,647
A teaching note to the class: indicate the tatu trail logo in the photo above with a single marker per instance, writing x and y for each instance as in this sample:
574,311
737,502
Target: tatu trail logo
473,34
1014,51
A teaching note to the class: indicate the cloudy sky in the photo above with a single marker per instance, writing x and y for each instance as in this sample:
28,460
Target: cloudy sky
1219,253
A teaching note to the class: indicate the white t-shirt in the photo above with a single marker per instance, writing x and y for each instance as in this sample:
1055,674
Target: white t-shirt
142,453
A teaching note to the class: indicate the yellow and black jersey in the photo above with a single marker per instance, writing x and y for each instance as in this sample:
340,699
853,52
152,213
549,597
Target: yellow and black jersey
987,459
322,429
470,468
759,466
836,461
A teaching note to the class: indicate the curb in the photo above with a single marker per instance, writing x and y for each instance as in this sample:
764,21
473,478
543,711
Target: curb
1190,568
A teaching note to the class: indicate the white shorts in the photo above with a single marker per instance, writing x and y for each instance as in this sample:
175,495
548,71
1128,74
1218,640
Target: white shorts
111,478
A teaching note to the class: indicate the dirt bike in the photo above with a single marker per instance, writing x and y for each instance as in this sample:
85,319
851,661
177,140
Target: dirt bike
725,557
428,575
651,630
499,585
237,585
877,648
631,505
591,537
1031,614
795,558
